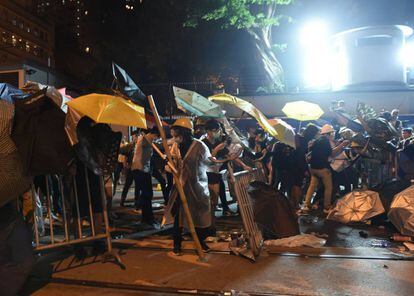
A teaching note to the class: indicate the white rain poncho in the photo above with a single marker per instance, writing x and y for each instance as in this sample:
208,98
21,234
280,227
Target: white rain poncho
401,211
357,206
193,176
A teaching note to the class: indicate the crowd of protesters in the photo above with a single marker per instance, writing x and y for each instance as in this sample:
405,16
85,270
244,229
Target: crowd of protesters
327,162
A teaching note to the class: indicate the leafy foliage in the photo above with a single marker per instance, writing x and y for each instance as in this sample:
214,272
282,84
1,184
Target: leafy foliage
239,14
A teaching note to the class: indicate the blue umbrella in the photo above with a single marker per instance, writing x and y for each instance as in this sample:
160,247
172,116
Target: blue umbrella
7,92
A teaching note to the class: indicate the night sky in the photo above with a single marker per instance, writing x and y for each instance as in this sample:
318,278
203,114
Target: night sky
151,43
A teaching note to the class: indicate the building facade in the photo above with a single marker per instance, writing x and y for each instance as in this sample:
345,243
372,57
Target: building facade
24,37
26,43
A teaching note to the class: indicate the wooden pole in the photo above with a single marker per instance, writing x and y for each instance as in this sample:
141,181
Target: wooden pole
177,181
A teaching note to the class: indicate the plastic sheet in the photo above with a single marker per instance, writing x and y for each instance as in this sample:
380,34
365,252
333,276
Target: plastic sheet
301,240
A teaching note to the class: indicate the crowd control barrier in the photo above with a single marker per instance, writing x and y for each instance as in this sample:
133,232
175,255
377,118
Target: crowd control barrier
69,229
241,182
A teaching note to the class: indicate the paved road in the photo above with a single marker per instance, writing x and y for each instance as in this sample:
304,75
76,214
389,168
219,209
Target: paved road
273,274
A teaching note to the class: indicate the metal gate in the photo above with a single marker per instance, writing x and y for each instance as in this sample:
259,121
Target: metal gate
241,182
68,230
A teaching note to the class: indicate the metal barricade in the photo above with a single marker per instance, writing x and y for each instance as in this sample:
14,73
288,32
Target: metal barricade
69,230
259,174
241,182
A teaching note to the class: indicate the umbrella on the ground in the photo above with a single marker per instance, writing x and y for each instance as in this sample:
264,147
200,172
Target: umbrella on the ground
272,211
302,110
247,107
126,85
357,206
286,133
196,104
109,109
401,211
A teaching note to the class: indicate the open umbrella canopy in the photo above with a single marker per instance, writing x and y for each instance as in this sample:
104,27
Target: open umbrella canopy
196,104
357,206
109,109
302,110
285,132
247,107
126,85
7,92
401,211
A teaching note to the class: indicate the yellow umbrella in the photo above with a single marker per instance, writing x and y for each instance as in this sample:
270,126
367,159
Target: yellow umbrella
247,107
286,133
302,110
110,109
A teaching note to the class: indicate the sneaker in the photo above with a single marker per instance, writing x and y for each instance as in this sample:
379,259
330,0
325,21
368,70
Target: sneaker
228,213
153,224
205,247
304,210
177,251
326,211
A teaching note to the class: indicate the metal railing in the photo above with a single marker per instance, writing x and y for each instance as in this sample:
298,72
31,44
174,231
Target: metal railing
69,230
241,181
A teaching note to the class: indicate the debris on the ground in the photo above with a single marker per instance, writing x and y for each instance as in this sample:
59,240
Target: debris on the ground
300,240
310,219
363,234
376,243
385,266
401,238
409,246
323,235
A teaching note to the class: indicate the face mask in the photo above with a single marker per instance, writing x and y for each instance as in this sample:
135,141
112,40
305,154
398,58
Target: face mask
217,135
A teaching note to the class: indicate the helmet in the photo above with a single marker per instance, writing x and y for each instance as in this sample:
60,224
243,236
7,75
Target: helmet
346,133
327,129
184,122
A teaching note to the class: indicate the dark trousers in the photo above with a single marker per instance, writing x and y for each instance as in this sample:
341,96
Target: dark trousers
223,198
117,175
144,194
170,183
128,182
16,253
160,178
202,233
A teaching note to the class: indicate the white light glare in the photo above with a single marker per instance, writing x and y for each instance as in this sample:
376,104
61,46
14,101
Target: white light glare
407,54
313,32
317,63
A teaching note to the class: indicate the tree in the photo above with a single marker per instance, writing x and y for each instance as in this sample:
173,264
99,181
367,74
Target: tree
256,17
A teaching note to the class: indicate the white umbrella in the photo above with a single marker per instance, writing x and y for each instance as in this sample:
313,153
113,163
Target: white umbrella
196,104
357,206
401,211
